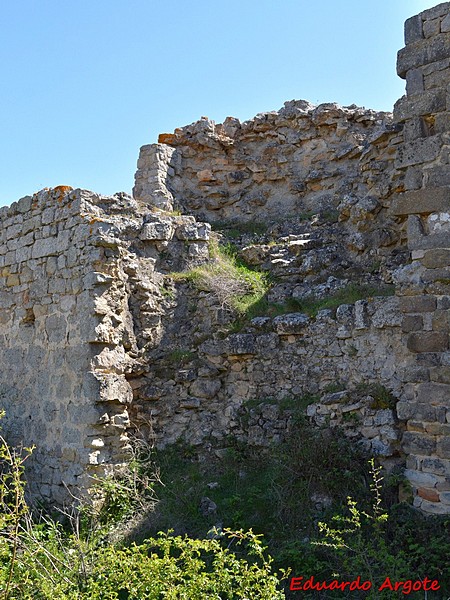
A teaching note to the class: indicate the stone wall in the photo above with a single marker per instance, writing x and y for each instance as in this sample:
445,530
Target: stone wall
424,284
300,159
70,281
103,341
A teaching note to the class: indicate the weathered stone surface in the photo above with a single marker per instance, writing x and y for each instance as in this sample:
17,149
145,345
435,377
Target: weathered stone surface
291,324
420,103
419,151
413,29
433,393
428,341
417,304
320,198
418,443
422,52
424,201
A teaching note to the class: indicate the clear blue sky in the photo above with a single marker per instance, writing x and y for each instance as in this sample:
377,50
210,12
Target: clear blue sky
85,83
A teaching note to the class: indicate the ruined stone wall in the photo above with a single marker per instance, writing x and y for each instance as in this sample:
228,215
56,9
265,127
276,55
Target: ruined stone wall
298,160
102,340
197,390
78,308
46,318
423,285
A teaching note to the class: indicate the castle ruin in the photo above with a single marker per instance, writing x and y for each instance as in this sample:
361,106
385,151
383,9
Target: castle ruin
100,339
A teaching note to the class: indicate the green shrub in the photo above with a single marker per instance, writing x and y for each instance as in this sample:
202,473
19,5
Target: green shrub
236,286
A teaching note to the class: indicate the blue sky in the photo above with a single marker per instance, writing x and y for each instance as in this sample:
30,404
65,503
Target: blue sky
85,83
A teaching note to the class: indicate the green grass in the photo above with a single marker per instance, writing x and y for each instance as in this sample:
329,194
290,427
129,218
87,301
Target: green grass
310,306
234,229
236,286
181,356
348,295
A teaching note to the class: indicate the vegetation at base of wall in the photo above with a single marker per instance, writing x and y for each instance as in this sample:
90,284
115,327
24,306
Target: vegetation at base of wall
44,560
235,285
285,491
282,493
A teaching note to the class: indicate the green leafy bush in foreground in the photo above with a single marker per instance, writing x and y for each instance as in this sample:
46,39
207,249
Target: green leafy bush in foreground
44,561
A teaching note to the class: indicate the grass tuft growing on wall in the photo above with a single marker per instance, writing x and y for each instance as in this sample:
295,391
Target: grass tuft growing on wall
235,285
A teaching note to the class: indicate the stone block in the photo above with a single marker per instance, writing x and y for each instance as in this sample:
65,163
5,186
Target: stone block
421,103
420,479
425,201
436,465
194,232
422,52
445,498
445,24
436,275
437,394
414,82
441,321
442,122
437,79
434,508
428,341
437,11
437,258
429,494
437,177
412,323
443,446
418,443
413,29
291,324
241,343
417,304
159,230
419,151
431,27
413,178
205,388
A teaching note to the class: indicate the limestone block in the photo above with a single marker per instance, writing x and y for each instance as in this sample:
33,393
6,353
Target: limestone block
412,323
413,29
435,259
445,24
418,443
426,201
414,81
418,151
387,314
194,232
158,230
437,11
418,304
443,446
205,388
291,324
429,494
241,343
436,465
420,103
422,52
434,393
